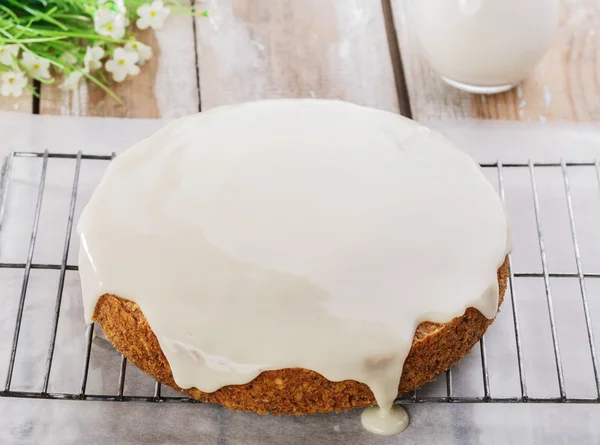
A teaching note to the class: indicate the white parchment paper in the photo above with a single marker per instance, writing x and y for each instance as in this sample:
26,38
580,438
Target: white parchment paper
73,422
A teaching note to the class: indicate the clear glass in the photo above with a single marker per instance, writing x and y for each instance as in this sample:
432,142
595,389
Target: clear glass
485,46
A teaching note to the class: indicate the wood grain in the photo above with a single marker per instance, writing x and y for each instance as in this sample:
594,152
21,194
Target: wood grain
565,86
258,49
23,104
166,87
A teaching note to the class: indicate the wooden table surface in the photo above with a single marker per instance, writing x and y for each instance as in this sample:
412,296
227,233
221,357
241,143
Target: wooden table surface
363,51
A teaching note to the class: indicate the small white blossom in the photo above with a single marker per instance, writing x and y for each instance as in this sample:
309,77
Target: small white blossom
68,58
152,15
122,64
8,53
103,16
92,59
37,66
72,81
13,83
110,23
143,51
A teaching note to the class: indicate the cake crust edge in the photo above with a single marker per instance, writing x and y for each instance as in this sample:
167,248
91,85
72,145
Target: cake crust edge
436,347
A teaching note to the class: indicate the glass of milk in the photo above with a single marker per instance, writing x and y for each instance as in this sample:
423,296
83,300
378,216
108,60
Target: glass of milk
485,46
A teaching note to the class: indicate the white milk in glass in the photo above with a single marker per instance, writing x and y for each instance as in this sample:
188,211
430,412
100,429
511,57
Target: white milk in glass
485,46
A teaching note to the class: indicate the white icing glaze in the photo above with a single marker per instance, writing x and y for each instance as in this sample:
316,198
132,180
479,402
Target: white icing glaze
385,422
293,233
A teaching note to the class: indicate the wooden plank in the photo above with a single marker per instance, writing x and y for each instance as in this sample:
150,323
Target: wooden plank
565,86
23,104
166,87
258,49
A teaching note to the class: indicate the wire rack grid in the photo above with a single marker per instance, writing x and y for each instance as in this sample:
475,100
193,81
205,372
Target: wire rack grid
487,396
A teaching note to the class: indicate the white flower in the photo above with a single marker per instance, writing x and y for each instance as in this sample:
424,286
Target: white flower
8,53
72,81
122,64
92,58
110,23
152,15
37,66
144,51
103,16
13,83
68,58
114,30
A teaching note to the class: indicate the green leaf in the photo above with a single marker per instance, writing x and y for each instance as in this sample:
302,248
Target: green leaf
51,28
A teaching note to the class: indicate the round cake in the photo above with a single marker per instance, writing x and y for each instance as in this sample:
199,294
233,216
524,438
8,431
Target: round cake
294,256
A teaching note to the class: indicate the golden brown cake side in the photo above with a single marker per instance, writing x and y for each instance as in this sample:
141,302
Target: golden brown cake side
435,348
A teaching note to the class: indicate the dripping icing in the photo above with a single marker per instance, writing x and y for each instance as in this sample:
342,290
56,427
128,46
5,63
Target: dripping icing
293,233
385,422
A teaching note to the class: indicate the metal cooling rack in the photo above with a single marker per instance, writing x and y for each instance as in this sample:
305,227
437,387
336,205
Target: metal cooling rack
450,397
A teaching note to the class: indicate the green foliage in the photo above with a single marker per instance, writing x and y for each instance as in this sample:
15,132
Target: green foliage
60,31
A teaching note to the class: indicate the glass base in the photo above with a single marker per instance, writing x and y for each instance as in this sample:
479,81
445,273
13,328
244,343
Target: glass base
480,89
